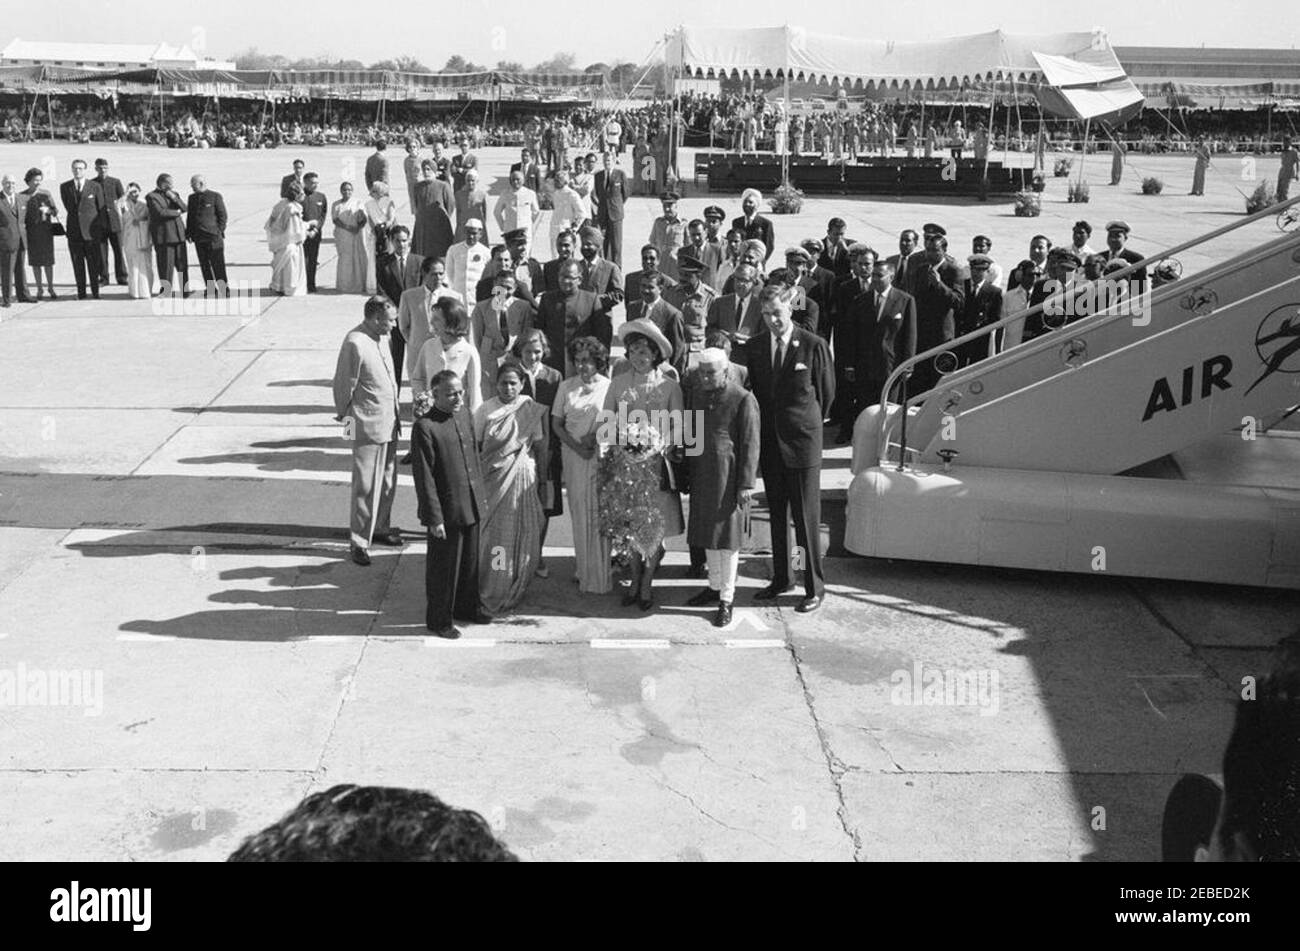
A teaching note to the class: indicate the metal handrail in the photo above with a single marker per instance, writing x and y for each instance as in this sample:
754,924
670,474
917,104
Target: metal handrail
1047,341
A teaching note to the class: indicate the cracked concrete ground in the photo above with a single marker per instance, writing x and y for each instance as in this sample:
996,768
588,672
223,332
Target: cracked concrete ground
172,493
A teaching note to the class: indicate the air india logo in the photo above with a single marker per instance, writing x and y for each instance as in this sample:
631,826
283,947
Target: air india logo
1277,341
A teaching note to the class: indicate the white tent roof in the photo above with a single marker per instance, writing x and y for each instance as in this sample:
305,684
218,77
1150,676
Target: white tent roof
1082,62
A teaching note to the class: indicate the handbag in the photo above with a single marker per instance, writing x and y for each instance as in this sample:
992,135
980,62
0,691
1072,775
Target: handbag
57,229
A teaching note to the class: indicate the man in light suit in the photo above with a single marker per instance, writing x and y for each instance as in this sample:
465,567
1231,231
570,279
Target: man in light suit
417,320
83,200
365,400
609,196
113,193
790,373
167,232
11,243
876,332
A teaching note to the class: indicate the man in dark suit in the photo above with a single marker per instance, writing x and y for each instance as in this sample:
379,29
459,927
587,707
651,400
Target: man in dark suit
876,332
802,291
571,312
205,226
983,306
399,271
602,277
649,265
834,256
820,282
907,242
530,279
790,373
83,200
663,315
738,314
565,245
1116,249
609,195
377,165
752,224
287,183
315,208
934,279
451,501
167,231
113,193
529,169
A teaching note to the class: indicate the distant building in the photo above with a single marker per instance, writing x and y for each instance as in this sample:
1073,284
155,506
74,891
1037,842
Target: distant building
106,56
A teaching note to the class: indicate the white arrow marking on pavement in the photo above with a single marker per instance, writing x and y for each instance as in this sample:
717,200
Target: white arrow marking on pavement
649,644
753,642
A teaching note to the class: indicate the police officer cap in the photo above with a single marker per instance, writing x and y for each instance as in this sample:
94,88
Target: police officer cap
934,229
982,260
714,212
519,234
1118,226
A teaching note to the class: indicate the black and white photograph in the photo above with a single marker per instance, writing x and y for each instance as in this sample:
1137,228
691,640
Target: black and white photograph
652,433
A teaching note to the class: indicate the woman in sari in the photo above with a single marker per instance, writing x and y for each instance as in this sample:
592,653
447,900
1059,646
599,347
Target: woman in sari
575,417
512,432
349,243
541,382
136,244
285,233
381,215
639,502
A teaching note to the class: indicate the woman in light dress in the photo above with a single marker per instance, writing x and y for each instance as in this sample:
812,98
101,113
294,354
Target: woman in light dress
136,244
285,232
575,418
349,217
381,215
451,350
512,432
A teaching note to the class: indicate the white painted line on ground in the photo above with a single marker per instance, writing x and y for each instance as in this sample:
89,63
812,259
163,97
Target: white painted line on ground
636,643
145,637
472,642
743,642
330,639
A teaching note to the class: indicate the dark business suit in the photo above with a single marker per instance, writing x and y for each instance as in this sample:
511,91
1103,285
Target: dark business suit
792,401
113,193
836,260
536,283
759,229
632,284
532,175
86,228
938,301
564,318
393,280
610,194
604,279
449,492
551,273
872,341
982,306
205,226
315,207
167,232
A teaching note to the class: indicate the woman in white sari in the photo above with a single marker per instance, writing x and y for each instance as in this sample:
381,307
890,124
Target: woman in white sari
349,219
285,232
136,245
381,215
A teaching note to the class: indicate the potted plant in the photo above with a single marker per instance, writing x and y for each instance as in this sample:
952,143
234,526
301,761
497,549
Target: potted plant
1078,192
1039,183
1152,185
1062,167
1028,205
1260,198
786,200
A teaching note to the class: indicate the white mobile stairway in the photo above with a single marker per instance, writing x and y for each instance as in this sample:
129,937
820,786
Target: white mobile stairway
1135,444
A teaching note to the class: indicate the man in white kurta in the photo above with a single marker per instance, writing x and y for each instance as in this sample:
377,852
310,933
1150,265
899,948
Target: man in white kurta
466,261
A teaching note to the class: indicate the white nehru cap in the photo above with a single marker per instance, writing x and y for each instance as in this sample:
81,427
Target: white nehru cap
714,356
474,223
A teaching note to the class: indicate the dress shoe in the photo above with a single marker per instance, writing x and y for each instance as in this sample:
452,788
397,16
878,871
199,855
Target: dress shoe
392,538
723,617
478,617
360,556
808,605
703,598
542,571
53,296
773,591
449,632
405,460
646,604
630,598
4,303
27,300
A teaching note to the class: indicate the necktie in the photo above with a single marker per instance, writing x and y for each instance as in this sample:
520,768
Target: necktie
880,306
780,356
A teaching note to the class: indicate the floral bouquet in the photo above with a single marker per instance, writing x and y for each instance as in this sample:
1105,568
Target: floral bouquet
422,403
628,485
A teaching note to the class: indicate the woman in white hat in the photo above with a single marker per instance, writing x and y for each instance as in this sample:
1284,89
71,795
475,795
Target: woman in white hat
640,504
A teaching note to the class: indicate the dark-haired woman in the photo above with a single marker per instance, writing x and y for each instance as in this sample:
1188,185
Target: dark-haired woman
542,382
40,217
575,419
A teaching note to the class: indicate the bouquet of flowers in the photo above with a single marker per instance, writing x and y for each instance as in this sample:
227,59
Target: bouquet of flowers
422,403
628,486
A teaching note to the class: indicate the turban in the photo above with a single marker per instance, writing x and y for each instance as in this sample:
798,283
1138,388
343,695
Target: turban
758,195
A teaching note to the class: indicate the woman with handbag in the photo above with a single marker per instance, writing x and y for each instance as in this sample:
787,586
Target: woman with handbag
41,220
381,215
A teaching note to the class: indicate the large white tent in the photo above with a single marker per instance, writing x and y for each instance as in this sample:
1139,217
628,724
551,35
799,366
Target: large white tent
1075,75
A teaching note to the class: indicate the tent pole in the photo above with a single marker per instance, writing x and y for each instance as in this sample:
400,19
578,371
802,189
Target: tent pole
1083,154
782,116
